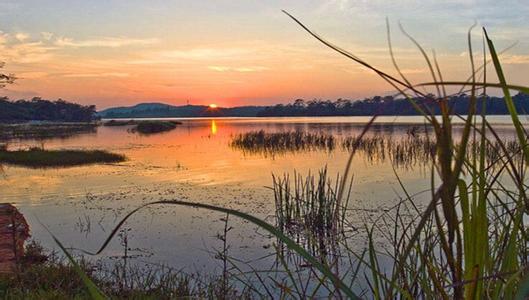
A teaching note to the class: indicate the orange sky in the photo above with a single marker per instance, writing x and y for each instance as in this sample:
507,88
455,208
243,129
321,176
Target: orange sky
232,53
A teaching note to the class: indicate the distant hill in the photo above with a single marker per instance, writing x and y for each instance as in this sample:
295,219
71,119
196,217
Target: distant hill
161,110
387,105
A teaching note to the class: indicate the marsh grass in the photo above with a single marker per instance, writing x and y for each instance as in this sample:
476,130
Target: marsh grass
407,151
270,144
308,210
41,158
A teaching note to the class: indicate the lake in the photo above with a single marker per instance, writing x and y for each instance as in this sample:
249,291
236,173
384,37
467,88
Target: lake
197,162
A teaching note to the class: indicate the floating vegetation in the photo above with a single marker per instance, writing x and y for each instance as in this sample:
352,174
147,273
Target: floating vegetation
40,158
45,130
308,210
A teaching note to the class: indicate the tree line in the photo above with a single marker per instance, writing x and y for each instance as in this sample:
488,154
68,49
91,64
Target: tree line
390,105
38,109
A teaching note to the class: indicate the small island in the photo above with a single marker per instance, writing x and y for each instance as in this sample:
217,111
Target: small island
145,126
41,158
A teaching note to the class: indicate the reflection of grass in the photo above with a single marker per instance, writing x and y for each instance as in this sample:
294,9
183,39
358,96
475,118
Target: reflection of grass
39,158
41,131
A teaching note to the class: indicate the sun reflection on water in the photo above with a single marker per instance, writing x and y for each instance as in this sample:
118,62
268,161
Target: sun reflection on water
213,127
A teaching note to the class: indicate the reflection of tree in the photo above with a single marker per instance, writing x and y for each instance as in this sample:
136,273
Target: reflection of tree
5,78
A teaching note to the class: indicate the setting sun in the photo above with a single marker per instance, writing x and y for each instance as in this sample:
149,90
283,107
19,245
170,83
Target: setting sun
213,105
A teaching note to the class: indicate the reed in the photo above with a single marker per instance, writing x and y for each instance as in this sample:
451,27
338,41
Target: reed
308,210
408,151
271,144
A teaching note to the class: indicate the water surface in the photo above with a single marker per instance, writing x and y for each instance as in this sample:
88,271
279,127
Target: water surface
195,162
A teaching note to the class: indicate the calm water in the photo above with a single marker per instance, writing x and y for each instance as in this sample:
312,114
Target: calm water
194,162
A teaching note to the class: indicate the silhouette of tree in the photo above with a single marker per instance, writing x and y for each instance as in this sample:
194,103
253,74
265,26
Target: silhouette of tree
388,105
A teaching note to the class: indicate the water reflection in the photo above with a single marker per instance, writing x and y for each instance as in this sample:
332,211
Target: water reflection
213,127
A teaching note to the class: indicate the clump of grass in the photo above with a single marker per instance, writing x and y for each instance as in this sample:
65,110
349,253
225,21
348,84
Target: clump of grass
40,158
281,142
308,210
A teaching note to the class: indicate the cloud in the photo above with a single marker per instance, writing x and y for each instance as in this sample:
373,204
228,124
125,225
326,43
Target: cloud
107,42
514,59
46,35
238,69
32,75
3,37
195,54
21,36
95,75
28,52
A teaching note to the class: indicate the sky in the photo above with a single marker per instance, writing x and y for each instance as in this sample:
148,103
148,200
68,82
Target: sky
241,52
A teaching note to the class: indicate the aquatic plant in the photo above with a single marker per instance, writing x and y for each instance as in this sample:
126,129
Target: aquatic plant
308,210
280,142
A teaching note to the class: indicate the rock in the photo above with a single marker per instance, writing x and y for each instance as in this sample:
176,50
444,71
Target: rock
14,231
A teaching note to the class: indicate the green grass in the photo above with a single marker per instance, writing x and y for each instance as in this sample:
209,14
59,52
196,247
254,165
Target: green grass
308,207
40,158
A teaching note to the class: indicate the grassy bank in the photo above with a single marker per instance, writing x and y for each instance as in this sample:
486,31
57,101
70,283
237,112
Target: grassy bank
40,158
45,275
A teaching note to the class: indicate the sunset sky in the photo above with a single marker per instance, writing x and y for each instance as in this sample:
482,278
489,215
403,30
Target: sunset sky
242,52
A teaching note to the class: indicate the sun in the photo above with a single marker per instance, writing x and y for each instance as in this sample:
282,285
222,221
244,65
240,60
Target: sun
213,105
